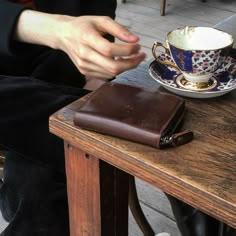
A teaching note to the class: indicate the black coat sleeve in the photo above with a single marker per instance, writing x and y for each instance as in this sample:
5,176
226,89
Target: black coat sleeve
96,7
9,13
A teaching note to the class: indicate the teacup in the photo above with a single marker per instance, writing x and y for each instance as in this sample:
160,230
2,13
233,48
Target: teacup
196,51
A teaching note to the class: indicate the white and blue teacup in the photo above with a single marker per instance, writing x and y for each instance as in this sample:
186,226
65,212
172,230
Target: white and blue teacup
196,51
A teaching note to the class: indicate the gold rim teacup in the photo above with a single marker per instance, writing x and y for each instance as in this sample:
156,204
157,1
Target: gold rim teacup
197,52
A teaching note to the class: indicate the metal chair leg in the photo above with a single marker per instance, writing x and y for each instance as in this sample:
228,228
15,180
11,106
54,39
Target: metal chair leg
137,210
162,7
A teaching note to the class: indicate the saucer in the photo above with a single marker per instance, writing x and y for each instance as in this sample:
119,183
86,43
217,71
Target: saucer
171,79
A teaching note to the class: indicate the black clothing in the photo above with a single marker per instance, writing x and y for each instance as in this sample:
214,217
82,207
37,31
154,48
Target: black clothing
26,100
34,176
9,13
36,81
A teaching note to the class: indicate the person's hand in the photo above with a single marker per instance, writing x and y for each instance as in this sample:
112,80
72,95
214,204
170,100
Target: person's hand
96,57
82,39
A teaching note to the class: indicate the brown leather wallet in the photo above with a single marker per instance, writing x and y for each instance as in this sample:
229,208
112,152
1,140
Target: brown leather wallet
134,114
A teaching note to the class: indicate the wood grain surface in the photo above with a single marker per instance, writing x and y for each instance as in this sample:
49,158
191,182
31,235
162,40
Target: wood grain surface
201,173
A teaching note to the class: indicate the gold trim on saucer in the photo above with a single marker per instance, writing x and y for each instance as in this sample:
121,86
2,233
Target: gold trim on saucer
196,86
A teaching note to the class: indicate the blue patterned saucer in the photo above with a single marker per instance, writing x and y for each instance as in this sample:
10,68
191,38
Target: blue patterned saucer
171,79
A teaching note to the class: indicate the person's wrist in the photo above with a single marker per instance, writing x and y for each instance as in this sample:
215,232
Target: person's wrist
62,31
40,28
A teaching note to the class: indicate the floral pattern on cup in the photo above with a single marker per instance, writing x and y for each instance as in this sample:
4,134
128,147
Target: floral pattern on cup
196,51
208,61
167,75
197,61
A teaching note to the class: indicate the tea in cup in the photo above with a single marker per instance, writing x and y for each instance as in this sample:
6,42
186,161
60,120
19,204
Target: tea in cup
197,52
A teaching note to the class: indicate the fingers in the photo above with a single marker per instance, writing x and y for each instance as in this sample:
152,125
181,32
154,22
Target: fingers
107,25
94,55
91,68
109,49
100,66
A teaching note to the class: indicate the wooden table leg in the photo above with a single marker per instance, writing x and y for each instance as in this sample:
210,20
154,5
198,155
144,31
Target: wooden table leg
114,200
97,195
82,173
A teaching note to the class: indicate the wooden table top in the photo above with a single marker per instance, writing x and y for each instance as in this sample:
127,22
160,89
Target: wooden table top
201,173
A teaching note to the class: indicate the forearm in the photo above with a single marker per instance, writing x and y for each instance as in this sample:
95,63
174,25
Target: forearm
81,38
40,28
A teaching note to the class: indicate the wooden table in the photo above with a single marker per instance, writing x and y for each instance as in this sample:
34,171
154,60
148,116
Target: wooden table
201,173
